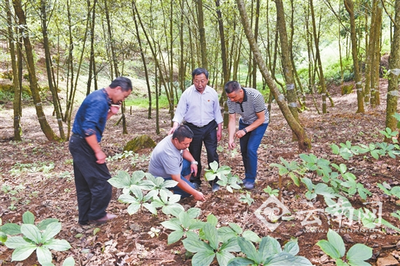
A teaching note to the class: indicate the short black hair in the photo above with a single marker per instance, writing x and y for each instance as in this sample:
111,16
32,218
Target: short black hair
123,82
182,132
232,86
199,71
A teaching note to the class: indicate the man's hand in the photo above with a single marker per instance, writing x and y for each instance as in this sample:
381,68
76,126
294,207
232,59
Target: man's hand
199,196
101,157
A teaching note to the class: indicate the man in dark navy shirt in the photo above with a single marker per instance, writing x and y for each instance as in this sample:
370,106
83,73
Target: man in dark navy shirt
90,170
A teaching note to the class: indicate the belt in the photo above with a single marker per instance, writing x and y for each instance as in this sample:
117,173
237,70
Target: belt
193,125
78,136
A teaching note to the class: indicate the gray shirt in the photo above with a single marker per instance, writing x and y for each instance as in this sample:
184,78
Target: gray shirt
166,159
253,103
198,108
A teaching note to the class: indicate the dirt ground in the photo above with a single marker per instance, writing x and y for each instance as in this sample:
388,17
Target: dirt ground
50,193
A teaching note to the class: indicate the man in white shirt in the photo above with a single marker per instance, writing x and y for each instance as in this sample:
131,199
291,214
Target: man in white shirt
199,108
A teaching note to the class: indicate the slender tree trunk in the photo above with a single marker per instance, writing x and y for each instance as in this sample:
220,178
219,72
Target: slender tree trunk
354,51
394,72
146,72
375,99
256,29
202,33
47,130
92,62
303,140
14,63
286,61
319,61
53,90
111,39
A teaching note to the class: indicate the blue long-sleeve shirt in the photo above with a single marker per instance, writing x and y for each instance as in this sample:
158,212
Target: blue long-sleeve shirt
91,117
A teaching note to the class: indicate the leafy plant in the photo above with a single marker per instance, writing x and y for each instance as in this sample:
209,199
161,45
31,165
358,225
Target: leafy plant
208,245
292,169
335,248
270,191
269,253
388,190
38,238
183,224
224,176
247,199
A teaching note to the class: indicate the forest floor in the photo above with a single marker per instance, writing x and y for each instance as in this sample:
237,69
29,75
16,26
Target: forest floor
37,176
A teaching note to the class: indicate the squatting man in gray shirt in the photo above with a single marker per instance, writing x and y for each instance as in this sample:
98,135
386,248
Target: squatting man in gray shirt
172,160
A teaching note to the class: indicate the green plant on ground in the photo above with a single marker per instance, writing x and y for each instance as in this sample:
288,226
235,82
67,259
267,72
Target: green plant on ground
39,238
224,176
183,224
208,245
269,253
335,248
246,198
144,190
270,191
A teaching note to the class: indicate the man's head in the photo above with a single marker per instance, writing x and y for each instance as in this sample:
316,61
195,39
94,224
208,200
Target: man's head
182,137
119,89
200,79
234,91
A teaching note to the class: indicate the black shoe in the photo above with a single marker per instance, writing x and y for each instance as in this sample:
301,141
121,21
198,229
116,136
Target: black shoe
215,187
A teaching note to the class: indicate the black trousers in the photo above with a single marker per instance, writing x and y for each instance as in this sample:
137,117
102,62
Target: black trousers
92,188
207,135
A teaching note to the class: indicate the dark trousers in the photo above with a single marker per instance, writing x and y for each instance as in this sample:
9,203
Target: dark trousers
92,188
208,135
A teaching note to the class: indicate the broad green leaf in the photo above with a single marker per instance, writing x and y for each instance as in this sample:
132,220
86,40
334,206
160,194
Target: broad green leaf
284,258
269,246
43,224
58,244
223,257
249,249
329,249
69,262
15,242
3,237
31,232
172,225
211,235
236,228
126,198
211,219
359,252
336,240
194,245
226,233
51,230
11,229
203,258
23,252
194,212
231,245
335,149
121,180
239,261
43,255
292,247
340,262
175,236
133,208
28,218
150,207
251,236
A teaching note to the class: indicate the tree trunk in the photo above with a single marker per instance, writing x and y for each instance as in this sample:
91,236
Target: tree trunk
14,63
354,52
146,72
112,45
47,130
92,63
286,61
375,99
319,61
394,68
53,90
303,140
202,33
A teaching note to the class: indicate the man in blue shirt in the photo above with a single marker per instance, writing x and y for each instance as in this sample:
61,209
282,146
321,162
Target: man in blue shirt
199,108
90,170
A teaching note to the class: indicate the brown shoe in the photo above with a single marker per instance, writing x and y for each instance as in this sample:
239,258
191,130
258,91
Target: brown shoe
109,216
